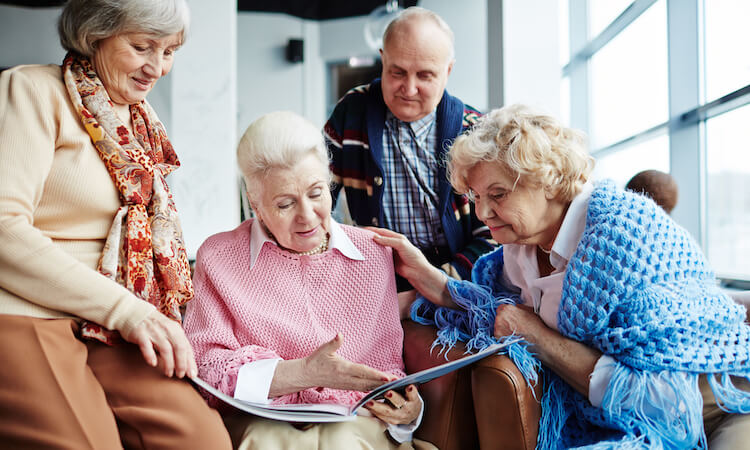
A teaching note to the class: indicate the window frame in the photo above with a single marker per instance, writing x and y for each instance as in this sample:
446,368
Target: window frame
688,111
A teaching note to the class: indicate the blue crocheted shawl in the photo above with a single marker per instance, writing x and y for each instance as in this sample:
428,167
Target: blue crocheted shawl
639,289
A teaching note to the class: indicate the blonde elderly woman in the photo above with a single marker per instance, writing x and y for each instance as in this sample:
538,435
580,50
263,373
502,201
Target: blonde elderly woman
292,307
640,347
92,264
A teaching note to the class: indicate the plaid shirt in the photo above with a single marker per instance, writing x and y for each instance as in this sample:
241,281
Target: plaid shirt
410,199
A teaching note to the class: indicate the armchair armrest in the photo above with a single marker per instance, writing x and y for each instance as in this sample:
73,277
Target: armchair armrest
448,420
506,410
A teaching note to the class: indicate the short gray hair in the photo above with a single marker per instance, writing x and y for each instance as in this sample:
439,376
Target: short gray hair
535,148
418,13
83,23
277,140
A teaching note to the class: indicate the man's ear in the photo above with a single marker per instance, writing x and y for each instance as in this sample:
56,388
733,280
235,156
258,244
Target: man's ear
450,66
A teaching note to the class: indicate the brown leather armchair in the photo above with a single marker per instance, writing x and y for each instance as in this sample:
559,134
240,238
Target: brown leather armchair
487,405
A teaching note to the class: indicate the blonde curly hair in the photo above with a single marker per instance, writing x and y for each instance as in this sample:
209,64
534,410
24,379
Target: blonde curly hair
535,149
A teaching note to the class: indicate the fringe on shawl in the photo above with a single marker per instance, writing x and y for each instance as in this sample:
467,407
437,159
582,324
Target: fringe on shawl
728,396
554,413
651,420
663,407
474,324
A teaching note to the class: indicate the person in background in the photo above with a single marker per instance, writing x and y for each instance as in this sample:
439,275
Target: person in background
659,186
292,307
92,263
639,345
388,139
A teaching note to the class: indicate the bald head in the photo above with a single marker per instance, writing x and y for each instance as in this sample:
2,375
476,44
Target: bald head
416,21
417,59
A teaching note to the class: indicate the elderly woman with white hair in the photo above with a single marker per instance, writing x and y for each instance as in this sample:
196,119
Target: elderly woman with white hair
292,307
640,347
93,268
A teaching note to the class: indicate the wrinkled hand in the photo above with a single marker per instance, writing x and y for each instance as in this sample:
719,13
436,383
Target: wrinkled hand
518,319
162,342
410,263
327,369
397,409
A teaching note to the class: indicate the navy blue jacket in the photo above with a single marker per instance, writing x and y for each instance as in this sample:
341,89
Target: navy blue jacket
354,135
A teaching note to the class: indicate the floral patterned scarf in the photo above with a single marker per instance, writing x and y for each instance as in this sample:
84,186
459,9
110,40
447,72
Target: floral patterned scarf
144,250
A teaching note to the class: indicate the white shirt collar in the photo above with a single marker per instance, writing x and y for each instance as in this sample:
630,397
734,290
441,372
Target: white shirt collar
338,240
572,228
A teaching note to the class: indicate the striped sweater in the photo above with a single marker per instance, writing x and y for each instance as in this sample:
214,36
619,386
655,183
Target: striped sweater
354,134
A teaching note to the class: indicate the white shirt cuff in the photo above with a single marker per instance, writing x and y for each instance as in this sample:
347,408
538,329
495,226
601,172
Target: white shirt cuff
600,377
254,380
403,432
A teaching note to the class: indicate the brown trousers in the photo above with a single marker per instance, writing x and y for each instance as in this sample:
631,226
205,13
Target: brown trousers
59,392
725,431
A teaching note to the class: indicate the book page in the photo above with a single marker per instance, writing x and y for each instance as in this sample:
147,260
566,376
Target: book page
320,413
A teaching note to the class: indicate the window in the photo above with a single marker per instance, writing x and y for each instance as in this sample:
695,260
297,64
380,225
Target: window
629,80
602,13
620,166
727,58
564,32
565,101
665,85
728,215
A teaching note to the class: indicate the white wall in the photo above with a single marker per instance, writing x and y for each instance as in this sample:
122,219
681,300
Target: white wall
468,20
204,109
342,38
266,80
29,36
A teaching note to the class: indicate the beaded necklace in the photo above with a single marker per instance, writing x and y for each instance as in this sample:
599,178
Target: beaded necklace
319,249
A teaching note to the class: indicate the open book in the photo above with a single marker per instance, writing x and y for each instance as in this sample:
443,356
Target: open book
339,413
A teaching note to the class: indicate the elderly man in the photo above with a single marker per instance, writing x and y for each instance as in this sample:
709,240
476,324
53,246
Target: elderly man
387,141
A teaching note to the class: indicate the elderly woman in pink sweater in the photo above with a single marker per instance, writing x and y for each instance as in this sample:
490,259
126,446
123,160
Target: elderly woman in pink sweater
292,307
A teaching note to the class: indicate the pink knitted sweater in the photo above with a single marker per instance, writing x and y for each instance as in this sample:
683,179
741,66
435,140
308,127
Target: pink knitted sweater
287,305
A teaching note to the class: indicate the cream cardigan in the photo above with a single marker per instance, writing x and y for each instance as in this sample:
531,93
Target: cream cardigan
57,203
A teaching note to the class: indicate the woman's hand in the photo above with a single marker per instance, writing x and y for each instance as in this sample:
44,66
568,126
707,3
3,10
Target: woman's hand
571,360
162,342
411,264
325,368
517,319
397,409
409,261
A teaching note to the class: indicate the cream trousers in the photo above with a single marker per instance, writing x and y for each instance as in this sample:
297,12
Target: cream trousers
250,433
